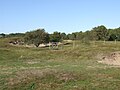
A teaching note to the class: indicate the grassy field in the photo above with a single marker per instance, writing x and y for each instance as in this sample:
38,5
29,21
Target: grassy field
68,68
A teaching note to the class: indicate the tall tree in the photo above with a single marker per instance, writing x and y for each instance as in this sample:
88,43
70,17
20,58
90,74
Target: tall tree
101,32
36,37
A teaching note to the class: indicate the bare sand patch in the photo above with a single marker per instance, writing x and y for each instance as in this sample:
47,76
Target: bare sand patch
111,59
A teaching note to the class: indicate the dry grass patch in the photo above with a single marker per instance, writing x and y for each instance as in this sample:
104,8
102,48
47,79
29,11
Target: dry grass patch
45,78
24,75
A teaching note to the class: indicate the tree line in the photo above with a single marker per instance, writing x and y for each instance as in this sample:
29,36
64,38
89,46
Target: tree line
39,36
97,33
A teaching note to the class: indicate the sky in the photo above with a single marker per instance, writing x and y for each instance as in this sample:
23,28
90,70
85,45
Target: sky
19,16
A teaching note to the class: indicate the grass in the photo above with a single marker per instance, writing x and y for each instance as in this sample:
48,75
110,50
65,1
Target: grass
68,68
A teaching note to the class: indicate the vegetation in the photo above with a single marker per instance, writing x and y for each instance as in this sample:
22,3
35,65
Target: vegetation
99,33
55,37
68,68
36,37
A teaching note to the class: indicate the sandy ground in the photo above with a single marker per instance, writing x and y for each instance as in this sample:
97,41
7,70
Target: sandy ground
111,59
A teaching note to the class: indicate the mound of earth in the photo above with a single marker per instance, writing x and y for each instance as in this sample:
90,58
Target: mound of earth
111,59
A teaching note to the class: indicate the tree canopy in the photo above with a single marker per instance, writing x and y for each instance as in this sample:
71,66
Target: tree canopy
55,37
36,37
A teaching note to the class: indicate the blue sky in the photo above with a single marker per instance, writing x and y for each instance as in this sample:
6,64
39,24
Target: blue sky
58,15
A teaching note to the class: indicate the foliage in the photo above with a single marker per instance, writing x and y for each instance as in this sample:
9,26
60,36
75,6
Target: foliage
95,34
114,34
72,36
112,37
55,37
101,32
36,37
16,35
79,35
2,35
64,36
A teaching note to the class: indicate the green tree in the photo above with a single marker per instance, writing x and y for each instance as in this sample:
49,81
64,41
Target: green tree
36,37
55,37
2,35
112,37
114,34
101,32
72,36
79,35
63,36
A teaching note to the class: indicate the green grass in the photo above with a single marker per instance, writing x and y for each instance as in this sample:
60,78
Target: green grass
68,68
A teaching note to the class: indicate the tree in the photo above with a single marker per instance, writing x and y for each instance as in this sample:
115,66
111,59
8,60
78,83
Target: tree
72,36
101,32
55,37
63,36
79,35
36,37
112,37
2,35
16,35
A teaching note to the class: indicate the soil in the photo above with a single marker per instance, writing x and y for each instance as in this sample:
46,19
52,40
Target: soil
111,59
